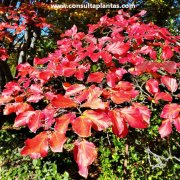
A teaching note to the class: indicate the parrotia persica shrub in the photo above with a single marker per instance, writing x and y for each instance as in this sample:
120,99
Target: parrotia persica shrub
92,82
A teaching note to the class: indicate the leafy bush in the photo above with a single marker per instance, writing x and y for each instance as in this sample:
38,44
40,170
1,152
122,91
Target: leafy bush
118,75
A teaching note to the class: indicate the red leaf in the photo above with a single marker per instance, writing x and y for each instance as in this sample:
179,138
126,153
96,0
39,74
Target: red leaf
79,74
22,107
50,96
144,111
100,119
118,48
36,147
38,61
82,126
94,56
115,75
170,111
56,141
35,120
123,92
170,83
93,100
111,79
169,66
24,69
74,89
35,89
119,126
124,85
106,56
95,77
63,121
95,103
66,85
70,32
134,117
23,118
121,96
142,13
83,96
5,99
84,154
177,123
167,53
49,119
45,75
69,69
3,54
19,98
152,86
63,102
163,96
10,108
165,129
35,98
148,50
119,72
17,108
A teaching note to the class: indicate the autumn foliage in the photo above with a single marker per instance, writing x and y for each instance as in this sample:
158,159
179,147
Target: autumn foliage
91,83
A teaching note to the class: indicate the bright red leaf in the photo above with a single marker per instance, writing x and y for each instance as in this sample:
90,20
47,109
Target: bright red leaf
99,118
35,121
36,147
63,102
166,128
23,118
144,111
170,83
74,89
56,141
63,121
169,66
134,117
119,48
152,86
49,119
119,125
170,111
121,96
95,77
162,96
167,53
82,126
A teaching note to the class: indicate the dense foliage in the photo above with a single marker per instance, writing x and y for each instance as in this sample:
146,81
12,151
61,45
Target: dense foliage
94,81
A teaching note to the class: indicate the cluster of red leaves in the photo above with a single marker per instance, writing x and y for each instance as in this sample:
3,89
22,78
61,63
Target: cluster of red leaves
3,54
14,21
82,86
